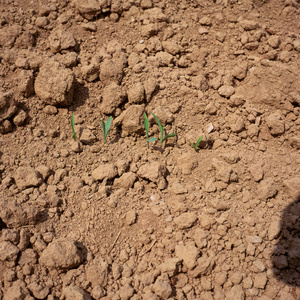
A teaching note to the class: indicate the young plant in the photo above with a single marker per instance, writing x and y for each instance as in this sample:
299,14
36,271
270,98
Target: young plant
195,146
146,124
106,126
73,127
162,131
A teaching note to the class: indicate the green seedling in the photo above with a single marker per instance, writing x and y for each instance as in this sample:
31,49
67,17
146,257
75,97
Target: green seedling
105,127
146,124
73,127
195,146
162,131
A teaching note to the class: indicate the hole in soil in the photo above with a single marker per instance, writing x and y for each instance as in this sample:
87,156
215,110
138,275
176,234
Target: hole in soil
2,225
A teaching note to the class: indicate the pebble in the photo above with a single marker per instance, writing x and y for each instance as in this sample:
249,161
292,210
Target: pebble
186,220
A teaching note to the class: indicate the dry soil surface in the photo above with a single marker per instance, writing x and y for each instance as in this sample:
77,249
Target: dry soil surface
81,219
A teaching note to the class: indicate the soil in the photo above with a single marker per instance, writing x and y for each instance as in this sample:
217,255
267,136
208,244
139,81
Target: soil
83,219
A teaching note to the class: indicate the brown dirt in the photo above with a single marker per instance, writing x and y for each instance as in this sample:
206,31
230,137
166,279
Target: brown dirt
87,220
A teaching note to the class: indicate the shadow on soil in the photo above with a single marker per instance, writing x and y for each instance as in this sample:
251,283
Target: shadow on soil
286,253
80,95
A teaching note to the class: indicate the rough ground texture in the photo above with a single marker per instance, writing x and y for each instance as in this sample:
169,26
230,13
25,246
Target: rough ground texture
80,219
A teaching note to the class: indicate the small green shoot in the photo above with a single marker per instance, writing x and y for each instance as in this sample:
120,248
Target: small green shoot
105,127
195,146
162,128
73,127
146,124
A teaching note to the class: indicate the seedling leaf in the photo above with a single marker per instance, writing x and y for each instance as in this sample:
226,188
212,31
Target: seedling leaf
146,124
168,136
153,139
106,127
195,146
73,127
161,128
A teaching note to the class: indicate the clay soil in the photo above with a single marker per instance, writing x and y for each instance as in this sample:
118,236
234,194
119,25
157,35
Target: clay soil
81,219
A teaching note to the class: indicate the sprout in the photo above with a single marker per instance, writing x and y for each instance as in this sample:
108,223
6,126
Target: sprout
146,124
162,128
106,126
73,127
195,146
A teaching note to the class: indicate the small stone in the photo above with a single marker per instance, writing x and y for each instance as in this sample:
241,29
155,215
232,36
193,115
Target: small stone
295,142
26,83
54,84
22,62
16,291
267,189
211,109
236,293
170,266
41,22
274,41
162,288
146,4
226,90
258,266
7,105
88,9
260,280
164,59
171,47
178,188
126,292
256,172
108,171
274,230
90,72
249,24
97,272
75,146
296,45
154,172
253,130
151,87
39,291
189,253
186,220
98,292
73,292
26,177
254,239
20,118
275,123
61,253
204,267
87,137
130,217
149,30
240,71
236,278
235,122
111,72
8,252
90,27
112,97
205,21
292,187
136,93
61,39
29,256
